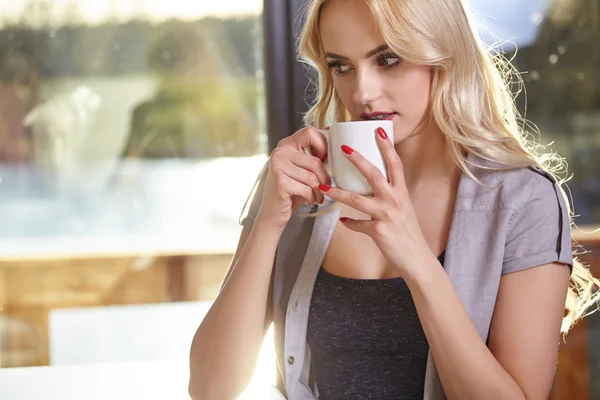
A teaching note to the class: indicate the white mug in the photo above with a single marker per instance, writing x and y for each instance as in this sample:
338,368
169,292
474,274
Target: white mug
360,136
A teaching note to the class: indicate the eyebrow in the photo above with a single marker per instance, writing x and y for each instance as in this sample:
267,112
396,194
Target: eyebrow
369,54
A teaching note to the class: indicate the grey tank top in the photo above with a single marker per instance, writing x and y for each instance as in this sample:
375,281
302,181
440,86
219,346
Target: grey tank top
366,339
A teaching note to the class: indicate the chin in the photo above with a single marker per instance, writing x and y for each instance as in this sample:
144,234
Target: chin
402,133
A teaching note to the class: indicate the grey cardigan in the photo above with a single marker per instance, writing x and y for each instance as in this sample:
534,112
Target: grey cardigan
520,220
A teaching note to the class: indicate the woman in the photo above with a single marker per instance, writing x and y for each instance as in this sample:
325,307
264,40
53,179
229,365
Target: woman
450,282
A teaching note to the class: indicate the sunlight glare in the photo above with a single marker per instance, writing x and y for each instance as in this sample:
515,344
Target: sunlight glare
94,12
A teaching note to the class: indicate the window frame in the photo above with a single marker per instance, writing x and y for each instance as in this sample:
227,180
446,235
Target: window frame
286,78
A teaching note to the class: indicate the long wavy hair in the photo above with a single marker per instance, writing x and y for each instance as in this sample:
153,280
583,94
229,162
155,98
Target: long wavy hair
472,99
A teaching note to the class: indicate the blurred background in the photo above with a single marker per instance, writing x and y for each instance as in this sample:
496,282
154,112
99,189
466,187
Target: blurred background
131,132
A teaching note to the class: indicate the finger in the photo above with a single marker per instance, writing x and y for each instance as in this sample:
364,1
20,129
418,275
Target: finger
358,202
305,169
305,176
357,225
312,164
294,188
307,138
371,173
394,166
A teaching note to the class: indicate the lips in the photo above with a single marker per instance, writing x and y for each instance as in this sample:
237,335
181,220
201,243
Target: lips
377,116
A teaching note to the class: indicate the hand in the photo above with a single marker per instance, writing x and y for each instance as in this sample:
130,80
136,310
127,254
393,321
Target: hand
393,226
294,177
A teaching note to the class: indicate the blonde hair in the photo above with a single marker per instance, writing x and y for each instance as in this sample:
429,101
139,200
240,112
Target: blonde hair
472,102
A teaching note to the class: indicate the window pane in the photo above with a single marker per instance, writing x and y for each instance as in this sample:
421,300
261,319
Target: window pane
131,133
558,55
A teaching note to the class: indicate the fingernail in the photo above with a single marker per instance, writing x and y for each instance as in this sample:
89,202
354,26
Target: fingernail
344,219
324,188
382,133
325,158
348,150
322,200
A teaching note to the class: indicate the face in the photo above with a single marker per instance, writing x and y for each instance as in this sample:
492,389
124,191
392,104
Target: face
372,81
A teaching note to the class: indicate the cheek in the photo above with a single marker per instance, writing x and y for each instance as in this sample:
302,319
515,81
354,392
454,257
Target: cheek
344,88
412,94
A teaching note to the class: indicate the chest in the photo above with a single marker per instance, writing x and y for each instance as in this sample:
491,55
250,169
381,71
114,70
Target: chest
355,255
355,314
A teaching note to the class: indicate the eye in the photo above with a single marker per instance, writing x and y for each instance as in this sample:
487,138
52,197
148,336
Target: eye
338,68
388,61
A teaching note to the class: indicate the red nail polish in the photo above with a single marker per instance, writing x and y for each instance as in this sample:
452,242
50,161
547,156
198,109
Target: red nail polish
343,219
382,133
324,188
322,200
325,158
348,150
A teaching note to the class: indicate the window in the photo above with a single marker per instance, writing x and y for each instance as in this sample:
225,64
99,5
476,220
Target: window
130,135
556,46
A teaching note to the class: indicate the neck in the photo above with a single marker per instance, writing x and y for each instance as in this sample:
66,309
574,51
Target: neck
427,159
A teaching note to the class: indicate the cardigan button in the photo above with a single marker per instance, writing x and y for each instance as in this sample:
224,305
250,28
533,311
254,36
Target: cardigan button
291,360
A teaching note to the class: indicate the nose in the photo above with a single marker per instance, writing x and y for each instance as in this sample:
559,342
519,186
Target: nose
367,87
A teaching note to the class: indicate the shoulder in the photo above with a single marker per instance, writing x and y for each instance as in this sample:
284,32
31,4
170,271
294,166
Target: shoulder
502,187
532,205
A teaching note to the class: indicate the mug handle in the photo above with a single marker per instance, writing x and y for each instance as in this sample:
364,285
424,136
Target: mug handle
327,163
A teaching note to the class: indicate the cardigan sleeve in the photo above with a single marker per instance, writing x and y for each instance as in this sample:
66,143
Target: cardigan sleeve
540,230
254,200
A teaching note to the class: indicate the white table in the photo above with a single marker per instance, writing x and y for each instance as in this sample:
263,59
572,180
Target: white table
124,353
123,381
